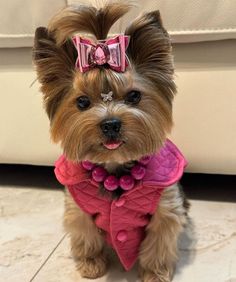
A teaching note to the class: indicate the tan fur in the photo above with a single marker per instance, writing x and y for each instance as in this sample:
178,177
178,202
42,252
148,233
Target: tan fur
80,134
150,52
158,252
88,19
144,126
87,241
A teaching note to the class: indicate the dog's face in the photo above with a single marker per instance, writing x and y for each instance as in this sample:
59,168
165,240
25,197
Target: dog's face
136,120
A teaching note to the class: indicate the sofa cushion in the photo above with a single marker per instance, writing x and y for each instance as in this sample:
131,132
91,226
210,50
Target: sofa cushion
186,20
19,19
204,109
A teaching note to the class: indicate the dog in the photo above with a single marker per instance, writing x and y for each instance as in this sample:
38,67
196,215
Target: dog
109,101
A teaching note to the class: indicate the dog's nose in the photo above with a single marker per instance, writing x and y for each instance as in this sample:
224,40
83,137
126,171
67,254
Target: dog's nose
111,127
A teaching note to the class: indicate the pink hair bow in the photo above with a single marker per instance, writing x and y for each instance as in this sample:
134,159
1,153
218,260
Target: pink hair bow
110,51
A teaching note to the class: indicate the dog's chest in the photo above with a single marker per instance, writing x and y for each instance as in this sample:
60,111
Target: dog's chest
123,220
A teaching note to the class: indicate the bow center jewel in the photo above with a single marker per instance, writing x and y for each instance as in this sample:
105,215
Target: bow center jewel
101,54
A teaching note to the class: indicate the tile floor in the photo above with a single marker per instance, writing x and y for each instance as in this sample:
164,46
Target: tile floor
34,247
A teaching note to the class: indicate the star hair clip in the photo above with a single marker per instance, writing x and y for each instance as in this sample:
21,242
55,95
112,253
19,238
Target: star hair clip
107,97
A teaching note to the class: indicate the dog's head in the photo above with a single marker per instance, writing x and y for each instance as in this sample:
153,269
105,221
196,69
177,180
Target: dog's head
101,114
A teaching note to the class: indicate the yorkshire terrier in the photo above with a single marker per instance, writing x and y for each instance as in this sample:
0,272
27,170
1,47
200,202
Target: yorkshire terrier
109,101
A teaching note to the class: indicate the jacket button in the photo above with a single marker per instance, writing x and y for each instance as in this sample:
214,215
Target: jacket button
121,236
120,202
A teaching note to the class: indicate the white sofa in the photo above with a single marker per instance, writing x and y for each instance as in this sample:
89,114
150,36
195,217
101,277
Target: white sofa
204,45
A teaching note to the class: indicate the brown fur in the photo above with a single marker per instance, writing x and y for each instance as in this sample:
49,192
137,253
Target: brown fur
150,52
144,126
86,241
87,19
80,132
54,68
158,252
155,115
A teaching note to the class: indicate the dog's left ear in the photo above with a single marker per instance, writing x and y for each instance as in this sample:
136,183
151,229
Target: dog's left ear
149,48
55,67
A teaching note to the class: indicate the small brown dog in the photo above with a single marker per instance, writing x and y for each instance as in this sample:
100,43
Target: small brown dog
110,104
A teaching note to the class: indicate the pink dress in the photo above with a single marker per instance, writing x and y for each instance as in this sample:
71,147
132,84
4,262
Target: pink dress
124,219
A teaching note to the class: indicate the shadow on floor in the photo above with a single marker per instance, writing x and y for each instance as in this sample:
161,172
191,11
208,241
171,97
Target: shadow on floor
208,187
28,176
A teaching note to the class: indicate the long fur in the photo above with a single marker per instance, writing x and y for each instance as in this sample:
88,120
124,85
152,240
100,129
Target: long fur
144,126
87,19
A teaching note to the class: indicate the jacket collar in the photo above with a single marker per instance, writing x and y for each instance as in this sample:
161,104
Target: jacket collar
164,169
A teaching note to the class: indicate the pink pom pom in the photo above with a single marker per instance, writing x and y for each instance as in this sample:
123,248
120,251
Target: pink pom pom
87,165
145,160
111,183
99,174
126,182
138,172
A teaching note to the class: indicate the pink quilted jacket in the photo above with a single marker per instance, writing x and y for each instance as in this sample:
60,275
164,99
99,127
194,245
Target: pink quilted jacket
124,219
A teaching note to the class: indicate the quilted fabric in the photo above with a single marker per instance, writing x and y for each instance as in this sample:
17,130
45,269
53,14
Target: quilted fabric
124,219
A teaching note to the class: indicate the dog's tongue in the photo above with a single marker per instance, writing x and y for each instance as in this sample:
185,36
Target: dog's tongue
112,145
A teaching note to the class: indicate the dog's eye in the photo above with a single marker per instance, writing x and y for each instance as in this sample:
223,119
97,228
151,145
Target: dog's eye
133,97
83,102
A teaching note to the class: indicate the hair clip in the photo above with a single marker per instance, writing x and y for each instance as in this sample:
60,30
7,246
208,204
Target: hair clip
107,97
110,52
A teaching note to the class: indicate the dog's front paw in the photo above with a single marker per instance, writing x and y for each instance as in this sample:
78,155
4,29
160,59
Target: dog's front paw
148,276
92,268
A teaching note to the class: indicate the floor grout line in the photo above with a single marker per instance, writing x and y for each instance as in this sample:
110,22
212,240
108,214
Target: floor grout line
46,260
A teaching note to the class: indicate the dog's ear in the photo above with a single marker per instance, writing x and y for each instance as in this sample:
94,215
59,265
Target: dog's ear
54,66
150,49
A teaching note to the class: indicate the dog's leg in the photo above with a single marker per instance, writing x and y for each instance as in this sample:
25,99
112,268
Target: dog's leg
86,241
158,252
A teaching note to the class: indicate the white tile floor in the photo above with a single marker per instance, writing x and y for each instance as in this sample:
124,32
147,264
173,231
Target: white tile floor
34,247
